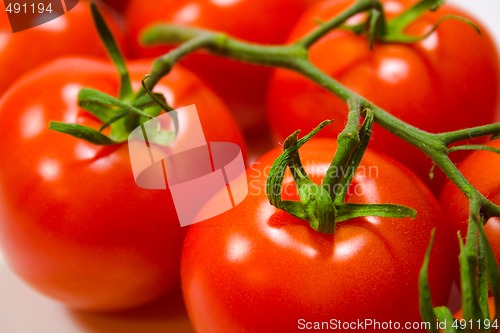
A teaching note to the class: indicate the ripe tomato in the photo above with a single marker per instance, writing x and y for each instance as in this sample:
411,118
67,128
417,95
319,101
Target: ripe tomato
481,169
258,269
68,35
118,5
73,223
243,87
446,82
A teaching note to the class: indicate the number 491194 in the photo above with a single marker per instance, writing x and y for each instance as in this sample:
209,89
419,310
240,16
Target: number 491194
471,324
24,8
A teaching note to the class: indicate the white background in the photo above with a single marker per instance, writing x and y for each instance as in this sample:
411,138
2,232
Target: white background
24,311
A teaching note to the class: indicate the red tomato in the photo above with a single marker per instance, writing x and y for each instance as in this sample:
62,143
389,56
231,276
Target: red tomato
73,223
68,35
118,5
242,86
481,168
258,269
446,82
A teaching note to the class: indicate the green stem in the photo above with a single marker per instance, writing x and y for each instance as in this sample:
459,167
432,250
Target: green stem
396,126
295,57
433,145
114,52
359,7
163,65
464,134
347,141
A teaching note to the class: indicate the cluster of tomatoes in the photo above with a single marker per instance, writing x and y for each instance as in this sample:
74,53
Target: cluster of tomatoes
74,225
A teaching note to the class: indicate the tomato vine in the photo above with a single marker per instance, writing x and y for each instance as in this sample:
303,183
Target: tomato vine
318,204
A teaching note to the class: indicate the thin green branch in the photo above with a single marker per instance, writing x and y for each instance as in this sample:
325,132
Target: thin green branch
469,133
163,65
348,139
114,52
294,57
359,7
474,147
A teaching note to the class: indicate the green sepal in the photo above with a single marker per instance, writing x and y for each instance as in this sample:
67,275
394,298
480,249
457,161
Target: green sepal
277,173
468,266
493,272
350,211
357,154
444,315
425,300
90,96
396,27
148,105
315,204
115,118
82,132
120,116
114,52
403,20
377,26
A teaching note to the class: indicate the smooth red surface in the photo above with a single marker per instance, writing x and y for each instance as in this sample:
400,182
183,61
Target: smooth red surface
448,81
482,169
73,223
257,269
118,5
69,35
243,87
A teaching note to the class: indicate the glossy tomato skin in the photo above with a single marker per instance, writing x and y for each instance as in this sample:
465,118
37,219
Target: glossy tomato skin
257,269
481,168
448,81
243,87
118,5
73,223
71,34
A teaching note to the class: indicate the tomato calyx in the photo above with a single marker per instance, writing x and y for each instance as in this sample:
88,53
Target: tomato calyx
324,205
123,114
393,31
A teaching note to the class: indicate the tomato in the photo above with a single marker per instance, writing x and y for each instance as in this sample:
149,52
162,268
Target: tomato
73,223
481,169
448,81
258,269
243,87
67,35
118,5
